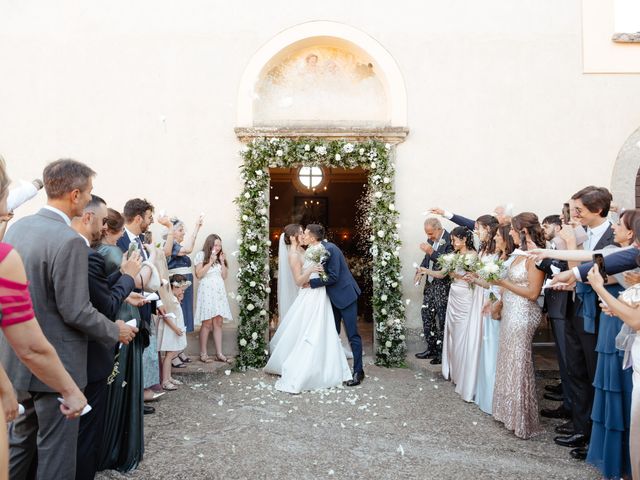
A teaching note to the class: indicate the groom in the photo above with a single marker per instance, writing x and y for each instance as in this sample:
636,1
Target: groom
343,292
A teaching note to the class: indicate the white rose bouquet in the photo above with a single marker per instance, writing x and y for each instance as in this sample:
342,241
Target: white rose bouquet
318,254
447,263
491,269
467,262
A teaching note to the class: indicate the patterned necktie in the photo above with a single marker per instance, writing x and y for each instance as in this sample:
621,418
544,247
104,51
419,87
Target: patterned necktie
143,252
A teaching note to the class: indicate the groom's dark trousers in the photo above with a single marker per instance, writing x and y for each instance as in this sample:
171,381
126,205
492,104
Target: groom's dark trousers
349,315
343,292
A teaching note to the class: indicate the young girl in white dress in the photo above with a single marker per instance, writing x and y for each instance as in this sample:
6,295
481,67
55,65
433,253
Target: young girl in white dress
212,306
171,329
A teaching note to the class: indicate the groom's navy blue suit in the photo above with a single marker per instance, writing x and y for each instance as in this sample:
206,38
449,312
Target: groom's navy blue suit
343,292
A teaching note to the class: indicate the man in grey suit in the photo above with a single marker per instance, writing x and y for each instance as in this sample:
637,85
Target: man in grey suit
56,261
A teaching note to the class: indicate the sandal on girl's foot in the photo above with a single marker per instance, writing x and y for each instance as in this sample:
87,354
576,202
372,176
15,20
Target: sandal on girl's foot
204,358
175,382
174,364
222,358
169,386
184,358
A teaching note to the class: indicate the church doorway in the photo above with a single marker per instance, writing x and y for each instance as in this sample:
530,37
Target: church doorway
335,198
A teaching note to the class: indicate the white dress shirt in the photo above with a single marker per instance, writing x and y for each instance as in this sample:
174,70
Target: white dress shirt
593,237
64,216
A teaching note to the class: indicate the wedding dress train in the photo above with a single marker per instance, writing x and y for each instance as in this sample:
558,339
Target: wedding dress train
306,350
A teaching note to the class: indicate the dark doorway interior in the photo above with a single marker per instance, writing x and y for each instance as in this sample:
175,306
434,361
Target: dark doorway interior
335,201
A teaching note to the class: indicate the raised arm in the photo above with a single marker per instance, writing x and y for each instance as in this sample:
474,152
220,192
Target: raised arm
617,262
629,314
457,219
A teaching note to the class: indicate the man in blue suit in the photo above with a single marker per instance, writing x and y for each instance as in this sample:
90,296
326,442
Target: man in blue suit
343,292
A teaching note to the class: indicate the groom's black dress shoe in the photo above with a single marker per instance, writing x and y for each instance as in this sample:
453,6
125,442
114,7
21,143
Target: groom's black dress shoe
423,355
356,380
575,440
436,361
148,410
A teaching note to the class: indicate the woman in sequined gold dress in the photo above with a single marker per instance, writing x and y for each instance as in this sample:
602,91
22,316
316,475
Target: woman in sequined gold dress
515,401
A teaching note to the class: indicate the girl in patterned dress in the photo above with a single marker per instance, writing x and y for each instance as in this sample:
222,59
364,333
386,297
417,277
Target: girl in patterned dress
212,306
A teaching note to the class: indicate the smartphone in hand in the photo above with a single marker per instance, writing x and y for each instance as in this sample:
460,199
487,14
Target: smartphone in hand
598,259
133,246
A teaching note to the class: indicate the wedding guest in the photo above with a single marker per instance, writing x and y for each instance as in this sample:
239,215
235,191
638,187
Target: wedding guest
609,442
23,334
591,207
626,308
492,247
55,259
138,216
503,213
436,290
179,263
552,226
557,305
212,306
106,293
469,354
514,397
123,433
608,446
171,329
460,306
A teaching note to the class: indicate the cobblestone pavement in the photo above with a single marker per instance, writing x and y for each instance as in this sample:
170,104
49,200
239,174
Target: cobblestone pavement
400,423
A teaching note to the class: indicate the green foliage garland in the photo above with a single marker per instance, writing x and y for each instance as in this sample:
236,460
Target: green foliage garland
381,223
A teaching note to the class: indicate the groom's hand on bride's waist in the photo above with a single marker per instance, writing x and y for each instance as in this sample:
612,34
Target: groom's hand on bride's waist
306,285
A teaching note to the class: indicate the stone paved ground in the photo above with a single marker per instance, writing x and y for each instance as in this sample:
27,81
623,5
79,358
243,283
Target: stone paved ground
400,423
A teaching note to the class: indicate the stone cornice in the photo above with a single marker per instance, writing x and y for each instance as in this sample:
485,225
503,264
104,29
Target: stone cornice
392,135
626,37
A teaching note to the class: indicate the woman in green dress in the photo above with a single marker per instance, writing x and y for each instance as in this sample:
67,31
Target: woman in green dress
123,439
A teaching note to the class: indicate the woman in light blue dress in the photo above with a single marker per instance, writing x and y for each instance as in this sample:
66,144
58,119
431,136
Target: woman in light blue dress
501,245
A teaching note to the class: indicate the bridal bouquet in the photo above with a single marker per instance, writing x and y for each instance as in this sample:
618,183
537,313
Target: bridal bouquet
318,254
491,269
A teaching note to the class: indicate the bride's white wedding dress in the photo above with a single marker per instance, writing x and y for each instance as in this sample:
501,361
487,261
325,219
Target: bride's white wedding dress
306,350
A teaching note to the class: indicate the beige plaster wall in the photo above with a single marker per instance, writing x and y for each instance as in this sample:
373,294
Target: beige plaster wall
498,105
601,19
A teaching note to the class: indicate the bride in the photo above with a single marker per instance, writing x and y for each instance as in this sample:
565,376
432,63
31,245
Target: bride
306,349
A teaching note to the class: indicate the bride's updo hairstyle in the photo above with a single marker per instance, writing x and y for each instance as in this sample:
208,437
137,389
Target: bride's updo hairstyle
465,234
291,230
530,222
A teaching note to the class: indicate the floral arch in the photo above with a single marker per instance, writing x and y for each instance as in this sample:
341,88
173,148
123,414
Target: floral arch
382,223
